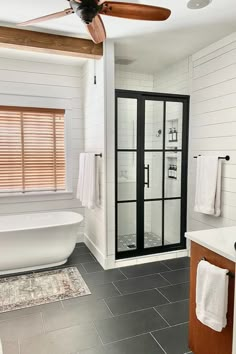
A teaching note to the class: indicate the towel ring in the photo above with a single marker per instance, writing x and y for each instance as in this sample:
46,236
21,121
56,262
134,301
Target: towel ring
230,274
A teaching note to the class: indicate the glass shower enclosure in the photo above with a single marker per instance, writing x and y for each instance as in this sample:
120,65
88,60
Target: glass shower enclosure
151,172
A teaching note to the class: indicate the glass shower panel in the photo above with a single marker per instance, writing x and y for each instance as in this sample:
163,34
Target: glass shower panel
126,175
152,224
153,124
126,227
173,164
127,123
153,175
172,224
174,122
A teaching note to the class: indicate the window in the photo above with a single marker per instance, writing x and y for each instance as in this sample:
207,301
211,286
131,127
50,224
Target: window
32,150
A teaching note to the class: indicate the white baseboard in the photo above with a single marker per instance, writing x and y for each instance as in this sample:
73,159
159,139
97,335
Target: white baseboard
148,259
109,262
95,251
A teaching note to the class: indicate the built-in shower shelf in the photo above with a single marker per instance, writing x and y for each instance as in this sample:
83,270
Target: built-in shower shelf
172,119
172,156
126,181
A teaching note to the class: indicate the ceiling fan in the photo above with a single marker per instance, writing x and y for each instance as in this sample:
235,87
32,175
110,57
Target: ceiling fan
90,10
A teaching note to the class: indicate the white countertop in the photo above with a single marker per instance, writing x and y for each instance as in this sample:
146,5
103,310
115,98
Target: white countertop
220,241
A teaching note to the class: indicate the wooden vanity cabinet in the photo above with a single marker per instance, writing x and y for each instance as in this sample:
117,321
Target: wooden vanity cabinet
202,339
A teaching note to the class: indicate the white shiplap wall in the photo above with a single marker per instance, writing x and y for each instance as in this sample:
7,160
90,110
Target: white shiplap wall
128,80
174,79
93,107
213,125
39,84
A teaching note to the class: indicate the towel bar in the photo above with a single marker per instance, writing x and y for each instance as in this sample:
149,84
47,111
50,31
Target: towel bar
100,155
227,157
230,274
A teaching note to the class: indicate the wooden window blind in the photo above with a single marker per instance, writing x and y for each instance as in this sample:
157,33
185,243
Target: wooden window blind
32,150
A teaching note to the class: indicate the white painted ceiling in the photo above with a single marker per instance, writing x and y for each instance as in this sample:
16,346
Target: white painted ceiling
153,45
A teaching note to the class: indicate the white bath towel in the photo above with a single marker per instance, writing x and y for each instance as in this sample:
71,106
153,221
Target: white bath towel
86,190
212,295
208,185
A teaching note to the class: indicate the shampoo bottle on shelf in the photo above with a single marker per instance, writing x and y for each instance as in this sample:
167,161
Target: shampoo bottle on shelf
175,171
174,134
170,134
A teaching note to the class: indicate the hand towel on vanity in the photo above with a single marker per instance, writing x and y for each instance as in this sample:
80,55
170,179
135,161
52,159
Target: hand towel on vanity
208,185
212,295
86,191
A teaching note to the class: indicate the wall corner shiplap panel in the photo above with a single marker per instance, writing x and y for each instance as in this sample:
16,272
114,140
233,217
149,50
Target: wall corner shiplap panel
93,107
39,84
213,125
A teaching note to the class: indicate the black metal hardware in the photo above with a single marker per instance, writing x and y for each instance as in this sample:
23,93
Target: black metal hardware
100,155
140,202
230,274
227,157
148,174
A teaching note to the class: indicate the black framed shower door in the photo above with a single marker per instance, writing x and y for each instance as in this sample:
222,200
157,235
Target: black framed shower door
151,152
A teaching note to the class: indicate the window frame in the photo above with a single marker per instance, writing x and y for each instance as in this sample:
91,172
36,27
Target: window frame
42,195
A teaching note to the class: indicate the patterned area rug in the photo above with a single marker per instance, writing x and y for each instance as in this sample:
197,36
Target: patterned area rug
41,288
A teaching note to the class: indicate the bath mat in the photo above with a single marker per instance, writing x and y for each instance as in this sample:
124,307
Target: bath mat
29,290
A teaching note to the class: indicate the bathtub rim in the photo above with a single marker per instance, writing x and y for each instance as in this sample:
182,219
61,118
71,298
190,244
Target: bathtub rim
45,226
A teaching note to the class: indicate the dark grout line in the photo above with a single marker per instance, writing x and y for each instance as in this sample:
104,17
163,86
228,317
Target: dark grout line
123,274
113,283
165,279
112,314
84,269
166,265
158,343
141,276
97,333
130,312
161,316
162,295
175,270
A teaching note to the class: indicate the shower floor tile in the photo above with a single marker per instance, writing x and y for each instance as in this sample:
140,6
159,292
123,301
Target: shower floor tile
131,310
128,242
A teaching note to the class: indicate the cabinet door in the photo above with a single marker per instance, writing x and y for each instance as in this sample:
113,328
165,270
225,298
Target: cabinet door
202,339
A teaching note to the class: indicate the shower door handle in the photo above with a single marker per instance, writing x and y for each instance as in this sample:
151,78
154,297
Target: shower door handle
146,167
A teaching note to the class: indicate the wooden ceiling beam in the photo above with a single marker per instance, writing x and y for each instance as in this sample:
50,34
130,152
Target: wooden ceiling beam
49,43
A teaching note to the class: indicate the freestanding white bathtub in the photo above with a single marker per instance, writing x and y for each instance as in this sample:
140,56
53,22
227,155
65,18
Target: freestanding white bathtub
36,241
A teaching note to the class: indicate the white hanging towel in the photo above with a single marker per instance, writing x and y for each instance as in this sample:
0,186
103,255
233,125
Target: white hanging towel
208,185
86,190
212,295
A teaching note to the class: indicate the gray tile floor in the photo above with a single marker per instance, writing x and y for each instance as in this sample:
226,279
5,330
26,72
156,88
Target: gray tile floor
132,310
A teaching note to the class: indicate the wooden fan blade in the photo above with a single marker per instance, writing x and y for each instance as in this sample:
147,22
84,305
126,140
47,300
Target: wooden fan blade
134,11
97,30
47,17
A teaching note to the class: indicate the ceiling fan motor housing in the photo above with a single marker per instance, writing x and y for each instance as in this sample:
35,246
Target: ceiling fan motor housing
86,10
